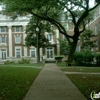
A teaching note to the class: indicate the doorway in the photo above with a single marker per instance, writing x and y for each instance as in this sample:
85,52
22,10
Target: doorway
50,53
3,54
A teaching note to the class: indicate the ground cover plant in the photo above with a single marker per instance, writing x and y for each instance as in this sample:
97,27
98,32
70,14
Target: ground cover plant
86,83
81,69
24,65
15,81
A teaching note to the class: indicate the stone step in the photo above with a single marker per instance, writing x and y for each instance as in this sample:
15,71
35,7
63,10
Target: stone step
50,61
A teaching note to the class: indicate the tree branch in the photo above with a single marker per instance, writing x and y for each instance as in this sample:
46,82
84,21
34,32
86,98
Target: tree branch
57,24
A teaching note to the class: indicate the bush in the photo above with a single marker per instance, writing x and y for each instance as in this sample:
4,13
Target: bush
23,61
88,57
78,58
97,57
84,58
9,62
59,58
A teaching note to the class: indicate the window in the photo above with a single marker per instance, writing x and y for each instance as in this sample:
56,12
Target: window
17,39
3,54
3,29
49,37
17,29
95,15
78,48
96,30
18,53
32,52
99,9
3,39
96,45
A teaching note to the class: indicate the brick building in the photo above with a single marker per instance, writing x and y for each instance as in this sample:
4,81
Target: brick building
12,36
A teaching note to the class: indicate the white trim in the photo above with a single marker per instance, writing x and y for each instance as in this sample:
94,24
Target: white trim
93,21
10,41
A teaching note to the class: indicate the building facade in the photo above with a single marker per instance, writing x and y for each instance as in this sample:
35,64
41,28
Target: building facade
12,39
94,25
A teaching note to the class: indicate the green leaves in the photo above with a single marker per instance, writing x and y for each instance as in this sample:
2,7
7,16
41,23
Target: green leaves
85,39
33,34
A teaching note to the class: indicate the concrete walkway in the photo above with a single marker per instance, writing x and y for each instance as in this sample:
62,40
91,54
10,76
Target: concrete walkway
53,84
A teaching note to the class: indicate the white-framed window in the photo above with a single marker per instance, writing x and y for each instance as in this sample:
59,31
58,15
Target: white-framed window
3,54
95,29
18,53
2,29
49,37
99,9
17,29
95,15
96,45
33,52
78,48
3,39
17,39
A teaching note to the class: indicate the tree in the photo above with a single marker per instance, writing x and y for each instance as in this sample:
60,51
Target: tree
86,42
33,34
77,11
64,46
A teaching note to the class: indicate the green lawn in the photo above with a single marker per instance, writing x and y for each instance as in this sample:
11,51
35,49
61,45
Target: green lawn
15,81
24,65
81,69
86,83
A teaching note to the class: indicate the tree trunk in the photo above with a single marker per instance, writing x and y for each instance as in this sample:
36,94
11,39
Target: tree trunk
39,55
71,53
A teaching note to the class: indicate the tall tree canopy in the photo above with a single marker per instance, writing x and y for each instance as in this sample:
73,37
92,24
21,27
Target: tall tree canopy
36,37
77,11
32,32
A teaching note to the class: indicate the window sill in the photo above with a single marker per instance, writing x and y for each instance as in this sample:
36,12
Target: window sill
3,44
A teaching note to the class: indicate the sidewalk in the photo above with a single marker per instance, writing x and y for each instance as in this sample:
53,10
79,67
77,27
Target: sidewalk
53,84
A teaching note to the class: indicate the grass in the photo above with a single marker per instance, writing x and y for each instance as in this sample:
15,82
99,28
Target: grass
86,83
24,65
15,81
62,64
82,69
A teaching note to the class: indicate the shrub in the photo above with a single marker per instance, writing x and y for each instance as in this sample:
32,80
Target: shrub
23,61
9,62
88,57
78,58
84,58
97,56
59,58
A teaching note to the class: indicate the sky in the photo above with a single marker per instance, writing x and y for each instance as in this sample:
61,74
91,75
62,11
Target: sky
91,4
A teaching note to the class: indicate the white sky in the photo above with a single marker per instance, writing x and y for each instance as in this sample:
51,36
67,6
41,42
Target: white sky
91,4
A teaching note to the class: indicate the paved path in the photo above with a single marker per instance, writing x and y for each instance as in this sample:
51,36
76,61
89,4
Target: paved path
53,84
81,73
